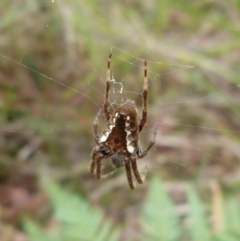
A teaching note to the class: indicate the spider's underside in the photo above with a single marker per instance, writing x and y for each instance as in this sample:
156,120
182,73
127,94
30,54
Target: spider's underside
119,140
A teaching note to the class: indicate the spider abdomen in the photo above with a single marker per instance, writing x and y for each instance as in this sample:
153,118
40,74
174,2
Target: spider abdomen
125,118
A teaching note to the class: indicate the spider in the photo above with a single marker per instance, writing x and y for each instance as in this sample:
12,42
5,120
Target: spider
119,140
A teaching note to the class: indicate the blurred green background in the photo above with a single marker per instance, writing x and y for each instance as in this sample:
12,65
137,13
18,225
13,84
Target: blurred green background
53,58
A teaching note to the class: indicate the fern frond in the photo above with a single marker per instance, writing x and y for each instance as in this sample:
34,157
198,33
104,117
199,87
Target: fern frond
200,228
35,233
78,220
159,218
233,217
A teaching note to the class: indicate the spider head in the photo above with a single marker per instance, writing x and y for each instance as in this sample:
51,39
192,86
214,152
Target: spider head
118,160
128,108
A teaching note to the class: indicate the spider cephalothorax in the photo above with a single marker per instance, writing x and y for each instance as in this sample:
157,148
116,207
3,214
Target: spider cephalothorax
119,140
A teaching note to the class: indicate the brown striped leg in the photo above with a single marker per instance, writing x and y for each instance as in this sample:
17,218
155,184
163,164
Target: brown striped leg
135,170
129,174
108,84
93,161
98,166
144,153
144,99
95,127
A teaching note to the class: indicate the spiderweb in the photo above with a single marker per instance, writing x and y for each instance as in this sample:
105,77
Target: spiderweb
194,108
53,58
189,140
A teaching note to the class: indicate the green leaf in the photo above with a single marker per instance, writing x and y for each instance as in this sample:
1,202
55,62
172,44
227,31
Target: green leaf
233,216
199,229
80,221
77,219
36,234
159,218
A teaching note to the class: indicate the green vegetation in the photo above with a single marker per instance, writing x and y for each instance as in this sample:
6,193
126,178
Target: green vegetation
75,219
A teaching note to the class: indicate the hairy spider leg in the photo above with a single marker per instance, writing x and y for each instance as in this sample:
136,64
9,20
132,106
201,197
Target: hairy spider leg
107,175
144,98
93,162
141,155
129,173
108,85
144,153
135,169
99,165
95,127
96,138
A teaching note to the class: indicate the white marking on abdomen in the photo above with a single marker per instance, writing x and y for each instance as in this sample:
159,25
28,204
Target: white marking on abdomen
130,148
103,138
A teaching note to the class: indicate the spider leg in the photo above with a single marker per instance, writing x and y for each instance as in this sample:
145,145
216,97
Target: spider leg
92,165
98,165
109,174
96,138
93,159
129,173
144,99
95,127
144,153
135,169
108,84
